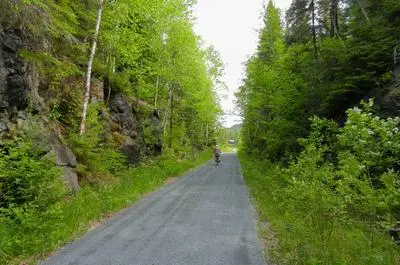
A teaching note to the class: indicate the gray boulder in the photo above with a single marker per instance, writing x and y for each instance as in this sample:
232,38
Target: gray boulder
65,159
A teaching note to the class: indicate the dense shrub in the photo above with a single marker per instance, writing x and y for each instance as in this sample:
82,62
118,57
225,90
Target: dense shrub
29,180
335,201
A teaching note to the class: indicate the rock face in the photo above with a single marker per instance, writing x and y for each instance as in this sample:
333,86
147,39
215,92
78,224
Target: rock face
65,159
19,84
50,142
19,97
125,118
394,233
389,101
14,90
396,73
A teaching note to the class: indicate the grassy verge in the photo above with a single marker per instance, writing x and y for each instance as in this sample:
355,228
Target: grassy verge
298,229
39,234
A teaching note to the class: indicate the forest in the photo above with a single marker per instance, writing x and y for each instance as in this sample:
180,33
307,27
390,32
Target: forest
320,144
115,96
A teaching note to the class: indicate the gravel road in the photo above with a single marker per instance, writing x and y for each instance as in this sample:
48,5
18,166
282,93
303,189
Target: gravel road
204,218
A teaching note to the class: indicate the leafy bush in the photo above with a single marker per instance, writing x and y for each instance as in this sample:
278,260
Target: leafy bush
333,204
28,179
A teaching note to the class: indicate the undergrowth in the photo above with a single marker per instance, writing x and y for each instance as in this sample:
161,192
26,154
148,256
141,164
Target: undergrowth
334,203
306,229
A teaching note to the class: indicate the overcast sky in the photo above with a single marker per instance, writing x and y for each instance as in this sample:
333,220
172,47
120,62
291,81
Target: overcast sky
231,26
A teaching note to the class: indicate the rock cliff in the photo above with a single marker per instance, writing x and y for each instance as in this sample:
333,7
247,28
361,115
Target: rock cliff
19,100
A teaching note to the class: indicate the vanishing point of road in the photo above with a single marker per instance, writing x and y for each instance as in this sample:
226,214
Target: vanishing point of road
204,218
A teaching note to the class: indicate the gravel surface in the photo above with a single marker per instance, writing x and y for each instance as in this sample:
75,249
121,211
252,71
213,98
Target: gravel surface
204,218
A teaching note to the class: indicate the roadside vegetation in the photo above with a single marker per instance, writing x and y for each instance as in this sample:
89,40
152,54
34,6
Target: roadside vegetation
333,203
320,138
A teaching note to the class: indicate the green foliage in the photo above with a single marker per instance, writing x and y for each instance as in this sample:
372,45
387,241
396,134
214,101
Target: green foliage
96,152
56,70
157,58
29,181
146,50
333,204
285,85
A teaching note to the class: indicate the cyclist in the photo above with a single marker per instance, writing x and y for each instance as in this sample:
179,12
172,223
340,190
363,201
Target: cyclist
217,153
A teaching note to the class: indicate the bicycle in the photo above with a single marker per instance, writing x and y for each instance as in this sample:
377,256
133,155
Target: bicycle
217,160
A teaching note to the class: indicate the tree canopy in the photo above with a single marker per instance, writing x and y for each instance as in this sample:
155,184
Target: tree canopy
329,55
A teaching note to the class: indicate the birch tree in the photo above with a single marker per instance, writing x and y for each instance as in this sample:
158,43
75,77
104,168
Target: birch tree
89,68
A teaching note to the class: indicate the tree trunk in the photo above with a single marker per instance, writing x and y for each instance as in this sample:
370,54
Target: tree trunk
165,120
89,68
207,134
363,11
170,121
157,88
157,85
334,18
112,73
314,31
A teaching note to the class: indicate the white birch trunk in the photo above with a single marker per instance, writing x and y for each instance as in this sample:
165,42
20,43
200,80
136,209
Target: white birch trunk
157,85
363,11
168,110
89,69
207,134
157,88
